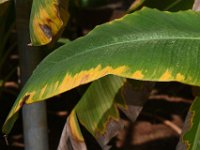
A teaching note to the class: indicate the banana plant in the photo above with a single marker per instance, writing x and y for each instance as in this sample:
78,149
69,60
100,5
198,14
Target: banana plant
147,45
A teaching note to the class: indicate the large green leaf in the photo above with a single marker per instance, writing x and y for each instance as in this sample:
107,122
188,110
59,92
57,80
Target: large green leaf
191,138
47,21
146,45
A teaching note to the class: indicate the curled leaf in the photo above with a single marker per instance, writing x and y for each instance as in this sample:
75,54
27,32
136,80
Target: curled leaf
47,21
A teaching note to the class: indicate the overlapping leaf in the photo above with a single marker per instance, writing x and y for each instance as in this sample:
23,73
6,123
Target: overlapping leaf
98,111
48,19
191,138
146,45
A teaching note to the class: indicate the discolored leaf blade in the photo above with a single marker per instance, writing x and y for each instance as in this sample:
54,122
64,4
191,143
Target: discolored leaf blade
191,138
72,138
134,46
47,21
98,109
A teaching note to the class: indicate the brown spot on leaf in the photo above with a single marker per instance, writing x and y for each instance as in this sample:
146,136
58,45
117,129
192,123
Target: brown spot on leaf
84,78
166,75
46,29
49,20
25,98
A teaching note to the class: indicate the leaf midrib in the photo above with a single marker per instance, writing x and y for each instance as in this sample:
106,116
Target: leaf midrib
124,42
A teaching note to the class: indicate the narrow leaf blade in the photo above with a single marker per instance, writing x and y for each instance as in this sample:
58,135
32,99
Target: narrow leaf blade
192,136
98,109
72,138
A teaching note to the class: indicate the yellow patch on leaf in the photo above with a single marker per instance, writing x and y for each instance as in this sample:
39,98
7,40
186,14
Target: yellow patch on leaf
189,78
56,85
49,21
87,76
30,98
27,98
180,77
46,25
68,83
76,133
166,76
138,75
42,91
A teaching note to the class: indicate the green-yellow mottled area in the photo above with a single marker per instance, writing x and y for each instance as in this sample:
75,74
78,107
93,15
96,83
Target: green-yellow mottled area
180,77
75,130
43,91
138,75
70,82
115,118
166,75
49,20
89,75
